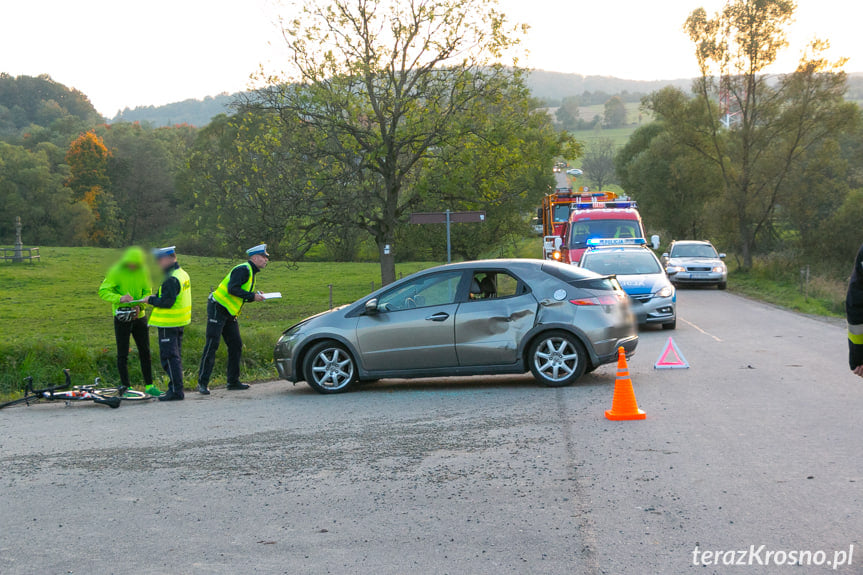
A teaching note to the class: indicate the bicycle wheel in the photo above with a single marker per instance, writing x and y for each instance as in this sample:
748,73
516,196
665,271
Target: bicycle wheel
29,400
130,395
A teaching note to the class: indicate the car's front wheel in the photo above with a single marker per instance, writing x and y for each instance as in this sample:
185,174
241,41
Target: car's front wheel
557,359
329,368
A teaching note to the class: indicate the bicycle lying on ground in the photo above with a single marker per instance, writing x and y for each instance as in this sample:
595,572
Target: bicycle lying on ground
110,396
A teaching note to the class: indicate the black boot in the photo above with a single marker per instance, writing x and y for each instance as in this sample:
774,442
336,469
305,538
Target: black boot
202,389
237,385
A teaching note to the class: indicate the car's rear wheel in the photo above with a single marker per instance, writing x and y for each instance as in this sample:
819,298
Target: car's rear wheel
330,368
557,359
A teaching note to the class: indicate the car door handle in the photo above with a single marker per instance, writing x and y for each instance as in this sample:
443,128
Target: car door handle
439,316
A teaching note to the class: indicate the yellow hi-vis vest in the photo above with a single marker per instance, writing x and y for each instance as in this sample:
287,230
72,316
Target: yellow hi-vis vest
180,313
229,301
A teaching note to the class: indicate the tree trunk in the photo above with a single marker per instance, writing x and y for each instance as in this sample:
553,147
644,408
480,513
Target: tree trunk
746,245
388,260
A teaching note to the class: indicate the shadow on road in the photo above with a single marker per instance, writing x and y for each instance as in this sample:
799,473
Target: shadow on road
456,384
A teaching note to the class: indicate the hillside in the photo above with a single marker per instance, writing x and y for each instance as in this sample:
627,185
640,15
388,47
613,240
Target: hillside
545,85
193,112
27,101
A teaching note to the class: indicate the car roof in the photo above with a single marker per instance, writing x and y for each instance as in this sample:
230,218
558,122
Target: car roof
618,248
604,214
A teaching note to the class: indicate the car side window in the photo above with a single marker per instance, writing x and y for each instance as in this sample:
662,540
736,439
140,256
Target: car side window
425,291
493,285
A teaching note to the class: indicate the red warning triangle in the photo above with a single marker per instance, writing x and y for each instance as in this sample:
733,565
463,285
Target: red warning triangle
671,357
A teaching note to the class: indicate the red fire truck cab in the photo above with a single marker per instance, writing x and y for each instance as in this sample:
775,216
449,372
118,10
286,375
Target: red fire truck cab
609,222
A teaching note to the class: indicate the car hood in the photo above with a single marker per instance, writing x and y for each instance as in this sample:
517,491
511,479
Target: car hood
643,283
314,317
694,262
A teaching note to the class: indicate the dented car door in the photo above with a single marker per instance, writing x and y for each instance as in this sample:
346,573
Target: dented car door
488,332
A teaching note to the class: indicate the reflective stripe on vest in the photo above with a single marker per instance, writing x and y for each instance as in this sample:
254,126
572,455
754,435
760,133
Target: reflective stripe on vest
228,300
855,334
180,313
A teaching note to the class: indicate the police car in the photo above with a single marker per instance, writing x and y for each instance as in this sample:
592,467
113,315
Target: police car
641,275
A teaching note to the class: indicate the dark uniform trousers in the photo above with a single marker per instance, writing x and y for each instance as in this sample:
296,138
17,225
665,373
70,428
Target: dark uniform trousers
170,348
138,331
221,324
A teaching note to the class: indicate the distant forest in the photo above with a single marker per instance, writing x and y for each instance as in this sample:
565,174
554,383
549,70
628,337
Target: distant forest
550,87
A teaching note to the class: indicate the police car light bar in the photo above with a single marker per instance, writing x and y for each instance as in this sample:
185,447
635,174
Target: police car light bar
601,205
593,242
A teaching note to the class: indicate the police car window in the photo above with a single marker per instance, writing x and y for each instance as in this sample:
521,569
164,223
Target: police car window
425,291
622,262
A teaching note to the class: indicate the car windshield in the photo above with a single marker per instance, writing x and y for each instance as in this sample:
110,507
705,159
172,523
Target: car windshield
693,251
583,230
621,262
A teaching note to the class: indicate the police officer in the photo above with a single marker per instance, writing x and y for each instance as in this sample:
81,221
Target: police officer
172,310
223,307
854,311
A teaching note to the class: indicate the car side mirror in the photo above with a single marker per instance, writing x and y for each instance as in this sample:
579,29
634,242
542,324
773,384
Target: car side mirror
722,256
655,241
665,255
372,306
557,243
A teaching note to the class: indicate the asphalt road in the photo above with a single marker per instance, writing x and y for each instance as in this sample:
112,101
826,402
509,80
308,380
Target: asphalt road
758,443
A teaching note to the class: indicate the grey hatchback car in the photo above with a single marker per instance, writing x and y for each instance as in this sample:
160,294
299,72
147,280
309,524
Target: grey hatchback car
471,318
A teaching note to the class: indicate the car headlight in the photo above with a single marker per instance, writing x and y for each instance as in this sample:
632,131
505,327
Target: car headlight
665,292
719,269
673,269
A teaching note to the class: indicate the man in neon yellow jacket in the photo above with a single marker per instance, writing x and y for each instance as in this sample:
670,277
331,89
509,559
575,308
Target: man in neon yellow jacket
854,312
223,307
129,280
172,311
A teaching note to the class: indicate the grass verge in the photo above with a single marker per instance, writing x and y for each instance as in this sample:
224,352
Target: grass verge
52,318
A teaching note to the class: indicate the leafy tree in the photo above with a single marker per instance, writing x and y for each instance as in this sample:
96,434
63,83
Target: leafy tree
139,171
502,165
614,115
32,187
88,180
770,125
598,163
251,178
386,81
676,187
568,113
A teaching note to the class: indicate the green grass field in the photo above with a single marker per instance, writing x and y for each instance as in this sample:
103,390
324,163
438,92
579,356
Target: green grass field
51,316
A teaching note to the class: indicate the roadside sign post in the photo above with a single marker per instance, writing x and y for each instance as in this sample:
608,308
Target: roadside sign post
448,217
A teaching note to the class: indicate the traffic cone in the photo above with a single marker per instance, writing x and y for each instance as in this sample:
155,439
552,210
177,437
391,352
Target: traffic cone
623,406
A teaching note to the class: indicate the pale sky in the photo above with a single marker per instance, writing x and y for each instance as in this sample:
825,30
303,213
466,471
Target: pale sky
132,52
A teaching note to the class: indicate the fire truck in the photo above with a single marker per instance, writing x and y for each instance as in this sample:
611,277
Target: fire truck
558,209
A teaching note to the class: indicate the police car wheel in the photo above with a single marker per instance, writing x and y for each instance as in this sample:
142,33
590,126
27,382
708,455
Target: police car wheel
330,368
557,359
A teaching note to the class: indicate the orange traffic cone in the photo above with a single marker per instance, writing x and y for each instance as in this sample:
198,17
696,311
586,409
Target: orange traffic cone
623,406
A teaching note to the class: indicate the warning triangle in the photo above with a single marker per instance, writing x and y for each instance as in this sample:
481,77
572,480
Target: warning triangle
671,357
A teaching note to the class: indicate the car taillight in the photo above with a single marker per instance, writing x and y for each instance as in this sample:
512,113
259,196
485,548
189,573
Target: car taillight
598,300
